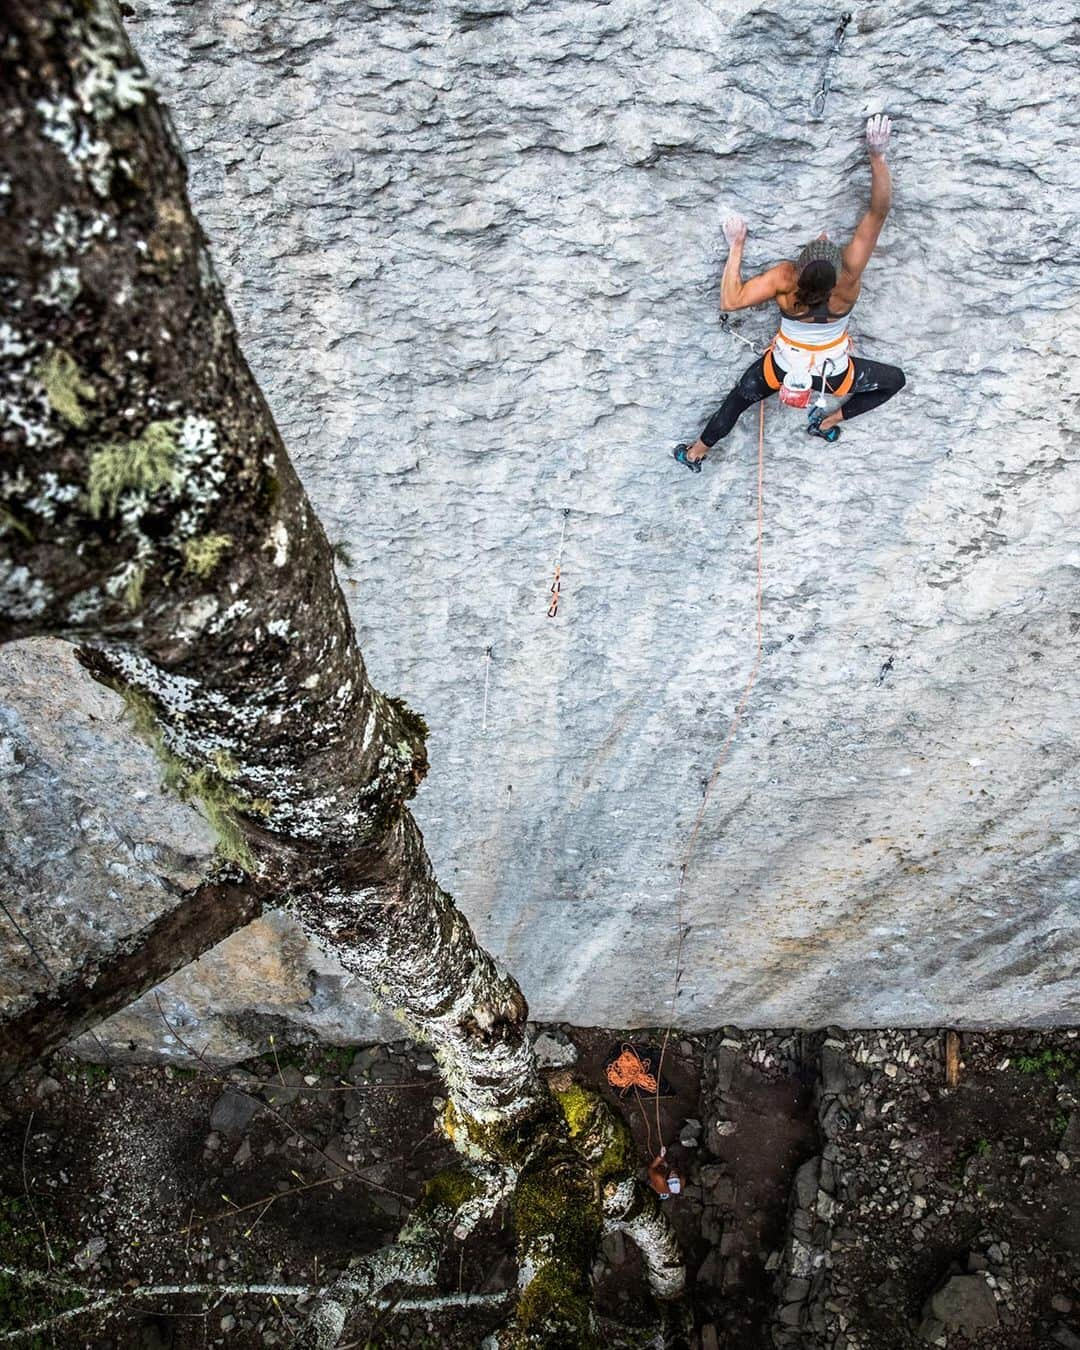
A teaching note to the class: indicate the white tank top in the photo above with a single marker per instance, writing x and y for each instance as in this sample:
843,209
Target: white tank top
813,334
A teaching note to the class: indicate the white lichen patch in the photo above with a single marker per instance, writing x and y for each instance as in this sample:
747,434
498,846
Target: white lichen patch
197,436
72,232
279,628
22,596
279,542
88,154
50,493
61,288
23,406
106,85
175,457
228,616
84,607
11,344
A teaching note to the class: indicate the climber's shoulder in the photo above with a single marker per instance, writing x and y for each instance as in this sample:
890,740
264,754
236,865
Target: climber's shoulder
787,275
787,280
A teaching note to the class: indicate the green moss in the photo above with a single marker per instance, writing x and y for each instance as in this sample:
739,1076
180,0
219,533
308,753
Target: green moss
603,1136
1052,1065
219,803
450,1190
225,764
617,1160
507,1142
23,1304
21,1245
577,1106
338,1059
65,387
133,590
93,1074
146,464
9,522
202,554
558,1203
555,1310
207,786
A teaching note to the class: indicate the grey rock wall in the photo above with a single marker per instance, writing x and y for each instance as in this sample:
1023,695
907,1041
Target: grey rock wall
473,251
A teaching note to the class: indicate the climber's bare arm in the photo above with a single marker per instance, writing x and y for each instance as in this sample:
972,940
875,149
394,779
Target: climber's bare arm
857,254
738,294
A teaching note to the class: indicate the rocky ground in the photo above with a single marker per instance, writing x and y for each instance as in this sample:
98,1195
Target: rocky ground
840,1193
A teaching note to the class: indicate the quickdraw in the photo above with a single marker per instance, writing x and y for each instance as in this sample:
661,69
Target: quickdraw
817,102
556,588
556,585
738,336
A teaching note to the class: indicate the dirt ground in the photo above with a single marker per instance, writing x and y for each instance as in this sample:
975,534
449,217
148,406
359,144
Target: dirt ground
835,1185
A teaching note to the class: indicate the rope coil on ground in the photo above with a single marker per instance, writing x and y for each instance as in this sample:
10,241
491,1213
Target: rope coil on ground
629,1071
719,761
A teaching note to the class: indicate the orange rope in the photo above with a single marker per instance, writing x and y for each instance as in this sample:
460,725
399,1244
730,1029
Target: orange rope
628,1071
721,757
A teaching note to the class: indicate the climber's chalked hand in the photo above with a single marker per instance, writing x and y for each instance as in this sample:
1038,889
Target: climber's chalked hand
734,229
878,131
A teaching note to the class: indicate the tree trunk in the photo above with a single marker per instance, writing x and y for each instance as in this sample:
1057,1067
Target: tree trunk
148,512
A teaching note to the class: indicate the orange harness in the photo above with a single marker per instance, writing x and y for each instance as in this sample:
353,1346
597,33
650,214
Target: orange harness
774,380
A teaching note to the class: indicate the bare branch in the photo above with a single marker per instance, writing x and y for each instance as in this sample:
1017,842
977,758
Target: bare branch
101,1301
104,985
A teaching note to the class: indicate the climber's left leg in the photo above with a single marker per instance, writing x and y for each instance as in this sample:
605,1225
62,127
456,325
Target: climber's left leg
874,384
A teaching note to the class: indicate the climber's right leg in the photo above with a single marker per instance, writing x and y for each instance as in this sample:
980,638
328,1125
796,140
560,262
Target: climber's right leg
751,388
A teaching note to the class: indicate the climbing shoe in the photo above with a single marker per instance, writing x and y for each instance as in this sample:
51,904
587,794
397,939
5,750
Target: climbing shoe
694,465
813,426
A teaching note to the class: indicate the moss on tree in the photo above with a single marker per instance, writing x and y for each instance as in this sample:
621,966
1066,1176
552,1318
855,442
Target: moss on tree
208,785
203,553
144,465
65,387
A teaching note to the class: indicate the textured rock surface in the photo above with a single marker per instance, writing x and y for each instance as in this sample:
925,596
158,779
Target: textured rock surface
91,849
473,254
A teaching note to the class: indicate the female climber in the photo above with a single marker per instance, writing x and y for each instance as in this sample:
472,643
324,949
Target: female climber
816,295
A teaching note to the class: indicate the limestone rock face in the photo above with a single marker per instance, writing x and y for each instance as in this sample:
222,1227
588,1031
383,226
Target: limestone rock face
473,252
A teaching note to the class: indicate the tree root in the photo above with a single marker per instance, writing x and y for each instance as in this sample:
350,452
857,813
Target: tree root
629,1208
452,1202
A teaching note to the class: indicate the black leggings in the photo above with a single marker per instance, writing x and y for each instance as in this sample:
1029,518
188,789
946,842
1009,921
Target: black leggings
874,384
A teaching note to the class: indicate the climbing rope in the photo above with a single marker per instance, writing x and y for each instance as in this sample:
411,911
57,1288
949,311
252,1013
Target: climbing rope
682,929
556,585
487,672
629,1071
817,101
